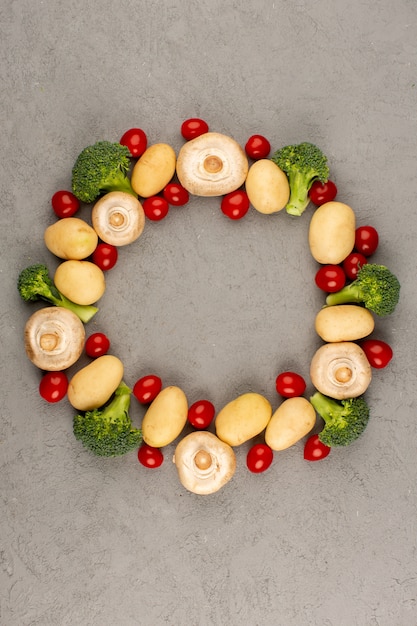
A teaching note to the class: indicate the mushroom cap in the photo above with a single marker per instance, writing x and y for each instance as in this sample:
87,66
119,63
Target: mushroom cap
212,164
118,218
340,370
204,462
54,338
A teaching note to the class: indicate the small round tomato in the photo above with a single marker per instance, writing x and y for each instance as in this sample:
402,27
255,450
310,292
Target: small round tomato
53,386
155,208
257,147
64,203
322,192
378,353
96,345
352,264
235,205
105,256
330,278
135,139
194,127
149,456
315,450
201,413
366,240
259,458
147,388
176,194
290,384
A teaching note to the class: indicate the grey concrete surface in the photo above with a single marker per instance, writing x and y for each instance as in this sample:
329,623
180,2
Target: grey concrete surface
214,306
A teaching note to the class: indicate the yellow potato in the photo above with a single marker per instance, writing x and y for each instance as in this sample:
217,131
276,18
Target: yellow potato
332,233
267,187
165,418
344,322
93,385
82,282
292,420
71,238
153,170
243,418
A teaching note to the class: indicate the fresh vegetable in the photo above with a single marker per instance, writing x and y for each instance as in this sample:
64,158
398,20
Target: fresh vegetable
259,458
267,187
376,287
153,171
201,414
108,431
82,282
165,418
64,204
331,233
303,163
96,345
194,127
243,418
366,240
53,386
290,384
105,256
135,140
320,193
340,370
101,168
330,278
345,420
235,204
156,208
34,283
352,264
71,238
147,388
346,322
150,457
257,147
175,194
315,450
118,218
93,385
379,353
54,338
291,421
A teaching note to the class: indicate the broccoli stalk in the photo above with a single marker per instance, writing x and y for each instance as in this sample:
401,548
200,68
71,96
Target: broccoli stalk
303,164
34,283
344,421
375,286
108,431
101,168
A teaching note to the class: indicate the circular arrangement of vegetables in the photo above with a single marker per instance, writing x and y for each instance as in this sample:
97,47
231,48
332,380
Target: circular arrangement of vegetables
129,182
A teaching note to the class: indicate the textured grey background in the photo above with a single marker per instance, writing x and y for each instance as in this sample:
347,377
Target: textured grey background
213,306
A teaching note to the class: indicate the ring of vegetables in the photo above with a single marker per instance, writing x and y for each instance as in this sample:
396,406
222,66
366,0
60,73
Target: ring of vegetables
154,177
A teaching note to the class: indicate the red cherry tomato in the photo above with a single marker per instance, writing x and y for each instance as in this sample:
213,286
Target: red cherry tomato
290,384
65,204
366,240
235,204
149,456
147,388
176,194
330,278
135,139
96,345
259,458
201,413
53,386
315,450
322,192
352,264
257,147
194,127
155,208
378,353
105,256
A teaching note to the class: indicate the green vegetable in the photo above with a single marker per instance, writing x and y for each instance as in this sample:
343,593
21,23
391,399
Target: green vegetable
345,420
375,286
303,164
34,283
101,168
108,431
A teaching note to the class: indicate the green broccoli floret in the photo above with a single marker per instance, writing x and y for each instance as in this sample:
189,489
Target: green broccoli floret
34,283
303,164
108,431
101,168
375,286
344,421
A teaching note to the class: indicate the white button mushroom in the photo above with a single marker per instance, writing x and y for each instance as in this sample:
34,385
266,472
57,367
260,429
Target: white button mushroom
118,218
340,370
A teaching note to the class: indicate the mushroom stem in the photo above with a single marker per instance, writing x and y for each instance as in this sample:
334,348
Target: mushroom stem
213,164
203,459
343,374
49,341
